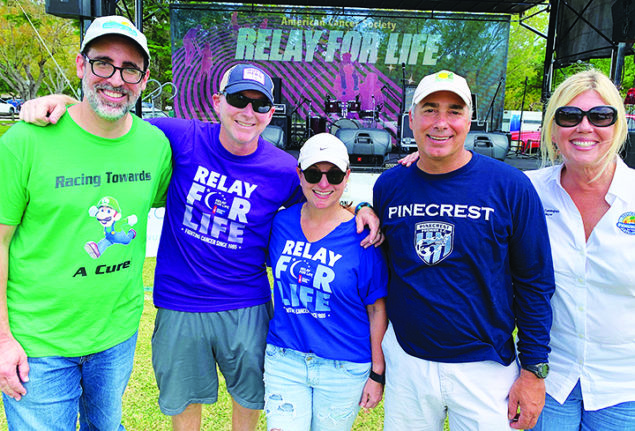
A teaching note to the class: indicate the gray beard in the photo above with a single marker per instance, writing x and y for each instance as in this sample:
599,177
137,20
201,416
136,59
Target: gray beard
104,110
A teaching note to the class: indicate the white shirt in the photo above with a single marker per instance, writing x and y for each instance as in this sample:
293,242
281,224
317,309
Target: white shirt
593,332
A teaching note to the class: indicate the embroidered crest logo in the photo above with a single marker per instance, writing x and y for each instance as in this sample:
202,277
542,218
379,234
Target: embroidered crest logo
434,241
626,223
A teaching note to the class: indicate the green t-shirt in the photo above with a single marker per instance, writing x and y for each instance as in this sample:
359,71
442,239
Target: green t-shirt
81,205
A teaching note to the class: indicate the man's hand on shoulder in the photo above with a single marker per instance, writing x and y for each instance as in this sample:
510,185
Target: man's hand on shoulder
45,110
367,217
14,367
409,159
526,400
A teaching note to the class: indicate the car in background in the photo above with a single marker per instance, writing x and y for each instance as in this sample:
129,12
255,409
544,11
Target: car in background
15,102
150,111
7,108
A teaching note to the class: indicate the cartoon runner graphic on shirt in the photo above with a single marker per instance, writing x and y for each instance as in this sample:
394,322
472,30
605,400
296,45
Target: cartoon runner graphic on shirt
108,213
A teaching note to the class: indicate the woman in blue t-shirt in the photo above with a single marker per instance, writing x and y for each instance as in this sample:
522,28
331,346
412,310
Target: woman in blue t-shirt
323,359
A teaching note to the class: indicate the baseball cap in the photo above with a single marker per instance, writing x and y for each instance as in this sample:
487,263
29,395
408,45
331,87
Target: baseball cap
323,147
114,24
109,202
247,77
443,81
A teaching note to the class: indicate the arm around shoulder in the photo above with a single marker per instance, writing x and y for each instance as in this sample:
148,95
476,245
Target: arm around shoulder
45,110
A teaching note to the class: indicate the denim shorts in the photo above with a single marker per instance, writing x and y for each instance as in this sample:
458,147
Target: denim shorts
61,387
306,392
187,347
572,416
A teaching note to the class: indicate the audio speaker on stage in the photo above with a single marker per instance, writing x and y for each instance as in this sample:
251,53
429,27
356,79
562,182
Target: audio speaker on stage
407,137
283,122
277,89
80,8
275,135
365,146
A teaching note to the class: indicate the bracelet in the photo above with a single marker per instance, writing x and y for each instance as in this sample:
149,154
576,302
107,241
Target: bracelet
379,378
362,205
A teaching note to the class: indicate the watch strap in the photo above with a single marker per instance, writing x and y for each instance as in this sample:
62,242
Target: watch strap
379,378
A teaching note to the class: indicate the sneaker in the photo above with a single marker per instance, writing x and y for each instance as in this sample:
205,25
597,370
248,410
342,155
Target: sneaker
133,232
92,249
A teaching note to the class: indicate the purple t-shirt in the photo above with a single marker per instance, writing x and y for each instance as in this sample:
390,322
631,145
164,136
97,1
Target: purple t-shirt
219,212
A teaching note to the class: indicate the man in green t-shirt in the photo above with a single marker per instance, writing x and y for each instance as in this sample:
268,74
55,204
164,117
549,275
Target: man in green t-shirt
71,293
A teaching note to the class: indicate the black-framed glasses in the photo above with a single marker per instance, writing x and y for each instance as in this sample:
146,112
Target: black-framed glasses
599,116
237,100
314,175
103,69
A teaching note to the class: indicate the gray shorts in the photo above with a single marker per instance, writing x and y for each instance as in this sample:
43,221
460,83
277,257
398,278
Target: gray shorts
186,347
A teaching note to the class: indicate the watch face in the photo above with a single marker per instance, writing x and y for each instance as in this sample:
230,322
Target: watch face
540,370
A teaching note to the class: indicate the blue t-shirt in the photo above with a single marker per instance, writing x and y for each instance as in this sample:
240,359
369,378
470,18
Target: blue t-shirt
322,288
218,218
470,259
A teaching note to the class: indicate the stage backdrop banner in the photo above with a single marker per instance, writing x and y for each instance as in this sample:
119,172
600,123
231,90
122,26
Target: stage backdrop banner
324,56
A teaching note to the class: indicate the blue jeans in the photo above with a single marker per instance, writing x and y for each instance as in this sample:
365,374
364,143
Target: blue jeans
306,392
571,416
61,387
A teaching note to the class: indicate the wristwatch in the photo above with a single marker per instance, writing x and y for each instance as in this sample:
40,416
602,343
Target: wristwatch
540,370
379,378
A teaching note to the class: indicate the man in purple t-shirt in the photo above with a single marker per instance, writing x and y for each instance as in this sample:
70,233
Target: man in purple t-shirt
211,286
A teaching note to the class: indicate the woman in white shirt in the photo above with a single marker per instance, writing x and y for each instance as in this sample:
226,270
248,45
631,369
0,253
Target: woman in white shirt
589,200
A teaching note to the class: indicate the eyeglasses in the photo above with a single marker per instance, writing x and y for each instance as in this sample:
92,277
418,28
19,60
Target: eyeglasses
237,100
599,116
314,175
103,69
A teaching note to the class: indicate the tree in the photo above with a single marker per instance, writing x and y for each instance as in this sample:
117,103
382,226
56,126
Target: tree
156,27
25,63
525,60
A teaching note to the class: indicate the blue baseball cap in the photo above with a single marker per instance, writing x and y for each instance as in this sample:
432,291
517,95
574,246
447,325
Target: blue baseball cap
247,77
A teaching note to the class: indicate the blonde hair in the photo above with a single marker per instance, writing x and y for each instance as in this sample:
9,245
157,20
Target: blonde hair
567,91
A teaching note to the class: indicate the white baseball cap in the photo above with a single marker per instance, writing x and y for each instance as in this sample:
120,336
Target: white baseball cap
323,147
443,81
114,24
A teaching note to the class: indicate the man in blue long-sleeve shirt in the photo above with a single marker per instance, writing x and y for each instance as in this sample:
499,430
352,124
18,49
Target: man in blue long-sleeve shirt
470,260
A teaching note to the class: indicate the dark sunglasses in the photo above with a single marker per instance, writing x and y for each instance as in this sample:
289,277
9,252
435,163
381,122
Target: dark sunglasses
314,175
599,116
237,100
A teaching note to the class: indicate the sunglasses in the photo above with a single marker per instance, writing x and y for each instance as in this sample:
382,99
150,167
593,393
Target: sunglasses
314,175
237,100
599,116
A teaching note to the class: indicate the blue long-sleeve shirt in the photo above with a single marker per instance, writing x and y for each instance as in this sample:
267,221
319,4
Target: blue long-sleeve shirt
470,259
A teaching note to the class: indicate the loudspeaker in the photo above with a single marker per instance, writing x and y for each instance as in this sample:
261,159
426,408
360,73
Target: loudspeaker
478,126
492,144
80,8
69,8
277,89
366,145
275,135
283,122
407,138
